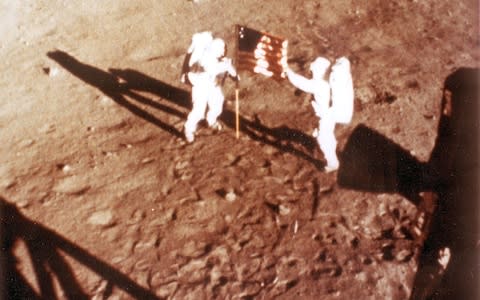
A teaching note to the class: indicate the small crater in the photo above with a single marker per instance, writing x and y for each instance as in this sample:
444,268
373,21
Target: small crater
385,97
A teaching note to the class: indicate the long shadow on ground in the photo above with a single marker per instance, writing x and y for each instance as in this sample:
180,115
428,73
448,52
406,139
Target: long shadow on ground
44,247
283,138
109,85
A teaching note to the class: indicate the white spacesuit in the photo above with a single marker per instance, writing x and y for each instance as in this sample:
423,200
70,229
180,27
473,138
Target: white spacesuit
206,64
333,101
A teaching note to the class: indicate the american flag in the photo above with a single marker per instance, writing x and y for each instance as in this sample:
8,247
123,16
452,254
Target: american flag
260,52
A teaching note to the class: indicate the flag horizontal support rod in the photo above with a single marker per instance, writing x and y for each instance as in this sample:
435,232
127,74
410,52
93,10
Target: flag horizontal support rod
269,55
255,61
250,66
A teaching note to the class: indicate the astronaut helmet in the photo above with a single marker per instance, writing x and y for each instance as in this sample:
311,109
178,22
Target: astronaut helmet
319,66
218,48
200,40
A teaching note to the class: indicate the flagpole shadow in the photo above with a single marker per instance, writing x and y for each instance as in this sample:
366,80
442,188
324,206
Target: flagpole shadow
283,138
44,246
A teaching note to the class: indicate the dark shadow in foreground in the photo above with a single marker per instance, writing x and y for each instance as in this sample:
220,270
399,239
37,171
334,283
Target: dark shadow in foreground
454,166
44,247
371,162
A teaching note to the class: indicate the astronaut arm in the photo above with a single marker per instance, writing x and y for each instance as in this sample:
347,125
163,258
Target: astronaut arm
317,108
185,68
300,82
229,68
223,66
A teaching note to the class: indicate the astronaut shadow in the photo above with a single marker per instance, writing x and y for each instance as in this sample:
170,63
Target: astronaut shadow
108,84
283,138
46,250
137,81
371,162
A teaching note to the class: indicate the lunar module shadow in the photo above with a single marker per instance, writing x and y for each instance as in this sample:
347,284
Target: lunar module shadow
372,162
46,251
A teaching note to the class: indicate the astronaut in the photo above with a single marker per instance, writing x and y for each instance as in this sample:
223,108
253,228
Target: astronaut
333,101
207,65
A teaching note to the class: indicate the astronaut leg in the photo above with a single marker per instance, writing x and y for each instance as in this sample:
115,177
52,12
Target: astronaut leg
328,143
215,107
199,105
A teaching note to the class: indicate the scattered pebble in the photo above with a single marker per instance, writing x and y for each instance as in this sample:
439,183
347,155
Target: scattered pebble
102,218
284,210
326,189
148,160
106,101
137,216
26,143
162,218
404,255
100,291
444,256
52,72
8,183
231,196
47,128
66,168
165,291
23,204
194,271
382,209
194,249
362,276
143,264
228,218
72,185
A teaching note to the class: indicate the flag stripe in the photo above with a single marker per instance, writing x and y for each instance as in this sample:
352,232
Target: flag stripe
274,60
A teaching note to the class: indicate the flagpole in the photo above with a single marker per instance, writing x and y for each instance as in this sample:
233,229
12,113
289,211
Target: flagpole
237,117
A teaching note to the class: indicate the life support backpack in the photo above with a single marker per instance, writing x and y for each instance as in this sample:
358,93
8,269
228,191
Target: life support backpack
200,43
341,87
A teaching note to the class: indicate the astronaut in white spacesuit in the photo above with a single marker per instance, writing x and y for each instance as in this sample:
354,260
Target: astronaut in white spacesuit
207,65
333,101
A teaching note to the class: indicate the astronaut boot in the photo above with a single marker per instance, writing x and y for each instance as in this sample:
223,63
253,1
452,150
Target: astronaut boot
190,126
216,126
212,121
189,133
189,136
331,157
331,166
